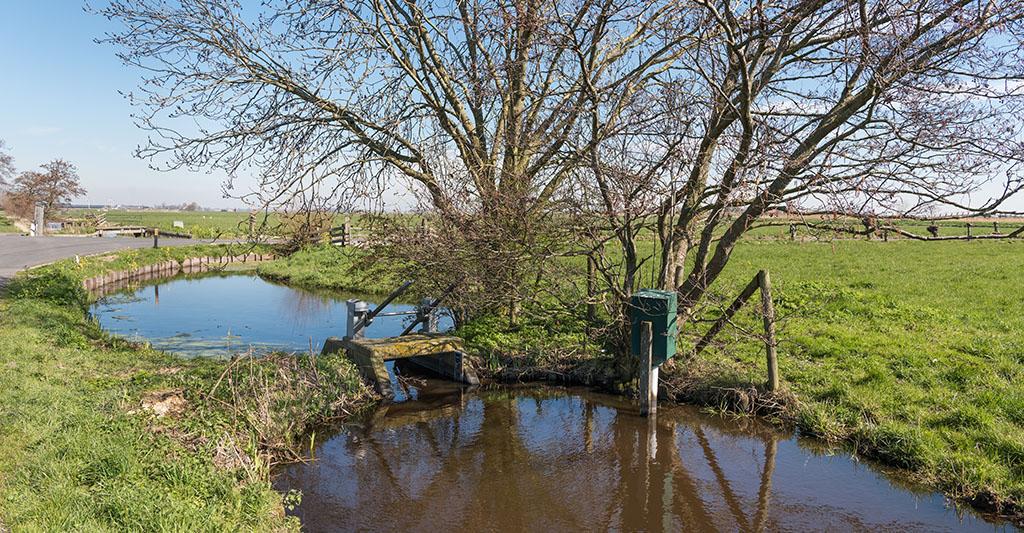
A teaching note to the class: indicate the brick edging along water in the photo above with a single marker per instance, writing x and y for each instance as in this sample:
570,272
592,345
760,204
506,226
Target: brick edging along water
168,269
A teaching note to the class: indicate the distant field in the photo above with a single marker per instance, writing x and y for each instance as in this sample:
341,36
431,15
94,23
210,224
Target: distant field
200,224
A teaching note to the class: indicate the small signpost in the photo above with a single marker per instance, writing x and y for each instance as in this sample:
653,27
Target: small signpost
654,331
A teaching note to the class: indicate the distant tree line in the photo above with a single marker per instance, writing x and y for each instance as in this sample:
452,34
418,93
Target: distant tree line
186,206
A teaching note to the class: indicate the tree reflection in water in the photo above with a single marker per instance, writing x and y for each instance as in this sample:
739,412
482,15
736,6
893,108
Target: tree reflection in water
566,460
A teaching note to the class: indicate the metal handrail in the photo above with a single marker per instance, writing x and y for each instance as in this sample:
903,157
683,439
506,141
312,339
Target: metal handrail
399,313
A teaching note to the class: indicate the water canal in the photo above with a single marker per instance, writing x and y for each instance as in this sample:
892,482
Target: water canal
527,458
217,315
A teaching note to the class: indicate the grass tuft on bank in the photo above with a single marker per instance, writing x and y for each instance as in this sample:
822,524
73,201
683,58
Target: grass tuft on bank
7,225
102,434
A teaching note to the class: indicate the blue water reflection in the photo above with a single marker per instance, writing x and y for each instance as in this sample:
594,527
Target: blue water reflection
221,315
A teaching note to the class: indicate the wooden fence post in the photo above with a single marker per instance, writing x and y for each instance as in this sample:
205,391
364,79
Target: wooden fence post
346,232
648,372
968,230
764,280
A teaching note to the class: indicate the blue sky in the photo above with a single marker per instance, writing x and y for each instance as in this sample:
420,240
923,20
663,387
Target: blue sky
59,98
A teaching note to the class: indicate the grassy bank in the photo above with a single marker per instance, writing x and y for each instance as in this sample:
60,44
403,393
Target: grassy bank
332,267
909,352
100,434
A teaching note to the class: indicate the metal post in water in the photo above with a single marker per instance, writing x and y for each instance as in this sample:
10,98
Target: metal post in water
357,309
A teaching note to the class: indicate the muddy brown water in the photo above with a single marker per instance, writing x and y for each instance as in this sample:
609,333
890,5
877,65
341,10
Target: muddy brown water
557,459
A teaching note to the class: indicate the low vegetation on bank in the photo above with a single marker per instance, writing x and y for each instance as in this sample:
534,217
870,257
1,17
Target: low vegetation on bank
103,434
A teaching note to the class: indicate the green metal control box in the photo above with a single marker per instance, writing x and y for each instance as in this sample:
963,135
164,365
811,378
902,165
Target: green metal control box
658,308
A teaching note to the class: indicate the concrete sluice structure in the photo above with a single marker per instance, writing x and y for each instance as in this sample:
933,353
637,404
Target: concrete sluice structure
440,354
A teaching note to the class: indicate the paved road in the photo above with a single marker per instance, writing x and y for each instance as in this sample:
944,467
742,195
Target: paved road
18,252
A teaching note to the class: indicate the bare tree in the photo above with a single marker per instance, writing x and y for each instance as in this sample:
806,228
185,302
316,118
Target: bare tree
477,104
866,109
6,164
57,183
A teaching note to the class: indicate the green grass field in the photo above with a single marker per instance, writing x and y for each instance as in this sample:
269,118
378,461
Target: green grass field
778,228
230,224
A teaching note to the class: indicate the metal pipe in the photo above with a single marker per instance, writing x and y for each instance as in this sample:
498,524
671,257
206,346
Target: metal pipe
368,318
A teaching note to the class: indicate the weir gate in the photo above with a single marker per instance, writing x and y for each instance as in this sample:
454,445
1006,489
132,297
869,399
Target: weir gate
439,353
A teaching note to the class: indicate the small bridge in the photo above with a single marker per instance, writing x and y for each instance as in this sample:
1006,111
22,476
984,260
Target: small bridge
441,354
